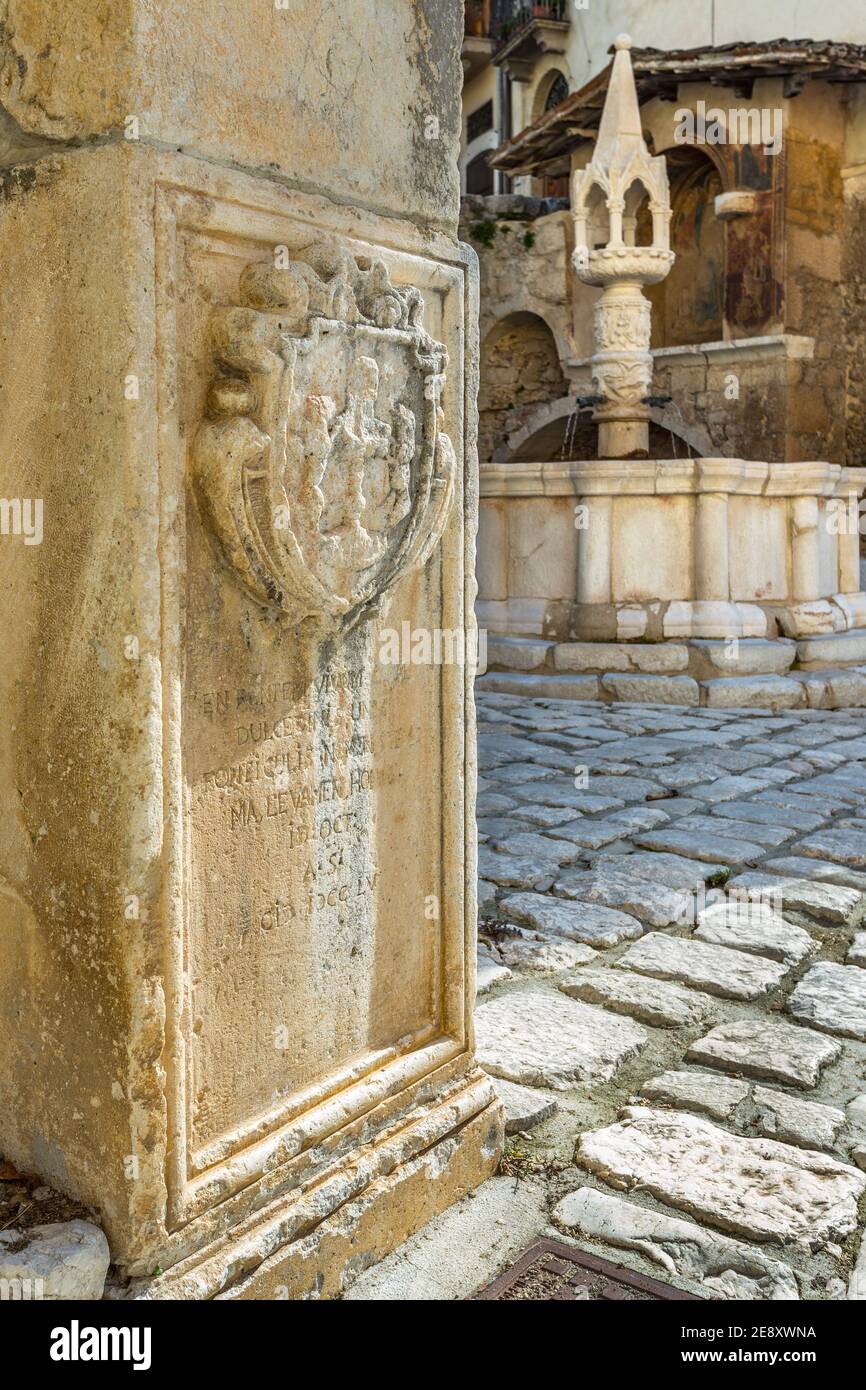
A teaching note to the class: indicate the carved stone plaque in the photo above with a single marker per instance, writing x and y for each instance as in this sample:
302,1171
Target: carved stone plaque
320,787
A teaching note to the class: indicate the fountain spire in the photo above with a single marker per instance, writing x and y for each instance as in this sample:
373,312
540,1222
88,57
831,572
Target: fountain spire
607,197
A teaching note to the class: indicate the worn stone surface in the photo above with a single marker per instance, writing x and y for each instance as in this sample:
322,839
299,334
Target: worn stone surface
701,845
716,969
651,903
65,1261
590,923
832,997
757,1188
716,1096
768,1049
542,1038
655,1002
490,970
822,870
857,950
524,1108
725,1268
830,902
753,926
795,1121
546,957
259,473
841,846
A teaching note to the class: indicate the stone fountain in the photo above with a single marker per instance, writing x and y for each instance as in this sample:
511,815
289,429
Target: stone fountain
718,581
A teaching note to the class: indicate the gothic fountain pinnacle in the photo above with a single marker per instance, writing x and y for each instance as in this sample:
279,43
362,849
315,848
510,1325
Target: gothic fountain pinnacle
606,198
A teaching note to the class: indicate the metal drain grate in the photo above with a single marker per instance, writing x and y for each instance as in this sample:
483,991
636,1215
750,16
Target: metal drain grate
550,1270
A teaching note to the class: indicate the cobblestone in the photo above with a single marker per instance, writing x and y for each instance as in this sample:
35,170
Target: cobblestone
716,868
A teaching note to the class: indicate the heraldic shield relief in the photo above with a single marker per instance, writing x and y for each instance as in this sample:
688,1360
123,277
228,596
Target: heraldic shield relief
322,465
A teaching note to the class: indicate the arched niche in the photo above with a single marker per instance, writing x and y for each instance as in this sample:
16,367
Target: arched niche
520,370
689,306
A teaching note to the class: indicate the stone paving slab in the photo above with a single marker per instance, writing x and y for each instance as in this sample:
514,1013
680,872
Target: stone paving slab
756,1188
770,836
805,1123
674,870
754,927
842,846
765,814
660,1004
652,903
528,845
717,848
524,1108
509,871
833,998
717,969
590,923
715,1096
721,1267
790,787
828,901
749,1106
804,867
544,957
542,1038
768,1049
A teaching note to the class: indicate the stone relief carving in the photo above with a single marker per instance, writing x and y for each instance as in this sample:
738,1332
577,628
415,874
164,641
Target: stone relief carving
322,466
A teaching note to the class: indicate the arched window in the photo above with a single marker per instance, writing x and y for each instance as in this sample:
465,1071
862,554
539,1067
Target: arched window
557,92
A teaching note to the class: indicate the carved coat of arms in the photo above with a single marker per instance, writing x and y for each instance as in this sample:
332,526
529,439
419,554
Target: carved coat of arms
322,466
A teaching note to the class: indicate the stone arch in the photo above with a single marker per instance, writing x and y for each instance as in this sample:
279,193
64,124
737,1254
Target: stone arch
549,434
550,85
520,370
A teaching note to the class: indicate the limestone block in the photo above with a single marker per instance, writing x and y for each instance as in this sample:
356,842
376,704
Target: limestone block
768,1049
651,548
836,646
492,561
833,998
65,1261
757,1188
653,658
517,653
228,1015
725,1268
754,692
714,618
213,81
749,656
661,690
719,970
541,1038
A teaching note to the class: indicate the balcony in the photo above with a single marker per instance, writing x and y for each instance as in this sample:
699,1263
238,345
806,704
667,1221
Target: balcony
530,32
512,35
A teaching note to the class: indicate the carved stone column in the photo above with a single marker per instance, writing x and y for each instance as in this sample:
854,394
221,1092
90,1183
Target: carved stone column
607,197
237,864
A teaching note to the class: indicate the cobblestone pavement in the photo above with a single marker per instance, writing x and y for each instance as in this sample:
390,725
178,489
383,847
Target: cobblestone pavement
672,983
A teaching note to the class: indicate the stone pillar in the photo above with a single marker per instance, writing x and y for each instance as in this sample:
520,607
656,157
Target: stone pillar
238,913
805,555
594,551
711,546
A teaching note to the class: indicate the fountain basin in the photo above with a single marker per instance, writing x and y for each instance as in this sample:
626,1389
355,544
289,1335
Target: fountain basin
680,551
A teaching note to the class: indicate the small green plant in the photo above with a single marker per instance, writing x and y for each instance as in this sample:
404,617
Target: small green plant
518,1161
528,240
484,232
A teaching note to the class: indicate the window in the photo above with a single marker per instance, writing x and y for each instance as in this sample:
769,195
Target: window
479,175
479,121
557,92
